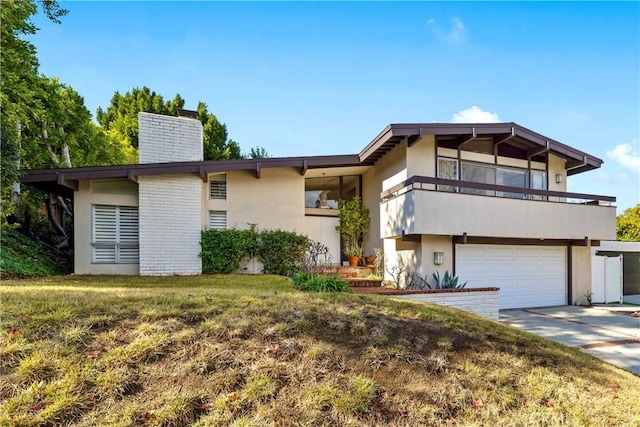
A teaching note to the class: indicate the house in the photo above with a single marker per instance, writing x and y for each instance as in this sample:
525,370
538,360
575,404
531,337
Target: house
485,201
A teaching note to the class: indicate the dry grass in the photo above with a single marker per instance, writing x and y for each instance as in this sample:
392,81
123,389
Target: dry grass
252,351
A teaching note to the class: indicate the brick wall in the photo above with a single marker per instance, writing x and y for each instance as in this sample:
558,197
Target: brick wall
170,206
165,139
484,303
170,209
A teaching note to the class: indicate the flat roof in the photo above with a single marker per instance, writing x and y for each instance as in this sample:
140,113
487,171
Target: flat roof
64,181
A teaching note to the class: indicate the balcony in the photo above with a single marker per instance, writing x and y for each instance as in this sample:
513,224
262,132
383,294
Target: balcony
427,205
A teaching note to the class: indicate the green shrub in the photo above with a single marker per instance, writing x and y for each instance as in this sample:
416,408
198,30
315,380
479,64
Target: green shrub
281,252
317,283
222,250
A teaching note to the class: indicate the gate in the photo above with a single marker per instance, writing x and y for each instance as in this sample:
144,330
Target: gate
606,279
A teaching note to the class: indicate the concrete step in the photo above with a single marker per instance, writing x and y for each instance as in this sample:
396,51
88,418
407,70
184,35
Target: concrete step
348,272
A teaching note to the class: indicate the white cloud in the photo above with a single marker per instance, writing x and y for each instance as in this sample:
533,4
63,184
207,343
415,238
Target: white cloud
457,31
454,34
626,155
475,115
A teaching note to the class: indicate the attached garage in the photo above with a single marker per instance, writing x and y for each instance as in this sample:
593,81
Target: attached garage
528,276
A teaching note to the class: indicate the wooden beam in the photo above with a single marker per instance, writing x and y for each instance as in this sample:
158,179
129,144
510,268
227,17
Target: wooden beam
416,238
540,150
412,139
204,176
467,138
504,137
573,164
68,183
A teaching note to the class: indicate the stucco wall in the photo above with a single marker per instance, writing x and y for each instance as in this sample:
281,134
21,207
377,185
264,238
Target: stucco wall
432,212
276,200
83,199
484,303
393,164
401,258
170,208
421,157
430,244
580,273
556,166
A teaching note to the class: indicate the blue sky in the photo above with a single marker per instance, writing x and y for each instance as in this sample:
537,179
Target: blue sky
326,78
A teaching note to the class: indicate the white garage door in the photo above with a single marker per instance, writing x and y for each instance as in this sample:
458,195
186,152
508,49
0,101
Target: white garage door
528,276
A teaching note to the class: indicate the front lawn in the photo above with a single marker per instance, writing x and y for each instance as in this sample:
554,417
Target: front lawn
254,351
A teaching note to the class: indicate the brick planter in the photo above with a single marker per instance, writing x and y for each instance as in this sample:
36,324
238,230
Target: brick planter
482,301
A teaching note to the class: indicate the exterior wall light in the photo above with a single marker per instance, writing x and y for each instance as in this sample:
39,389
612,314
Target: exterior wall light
558,178
438,258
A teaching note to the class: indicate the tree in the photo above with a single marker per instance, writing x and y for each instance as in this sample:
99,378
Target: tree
120,120
258,153
628,224
44,122
217,145
19,66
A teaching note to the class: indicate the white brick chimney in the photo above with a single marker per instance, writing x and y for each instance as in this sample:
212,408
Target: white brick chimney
170,206
164,139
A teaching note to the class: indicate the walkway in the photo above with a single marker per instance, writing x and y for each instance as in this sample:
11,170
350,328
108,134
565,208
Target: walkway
611,336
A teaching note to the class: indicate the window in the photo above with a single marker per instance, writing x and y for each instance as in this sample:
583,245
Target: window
218,187
324,192
539,182
115,234
491,174
511,178
447,169
485,174
218,220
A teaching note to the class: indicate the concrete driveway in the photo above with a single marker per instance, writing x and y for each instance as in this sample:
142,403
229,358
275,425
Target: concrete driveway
611,336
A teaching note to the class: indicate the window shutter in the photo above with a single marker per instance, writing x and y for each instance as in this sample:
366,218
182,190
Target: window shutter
218,187
104,254
115,234
128,225
218,220
128,254
104,224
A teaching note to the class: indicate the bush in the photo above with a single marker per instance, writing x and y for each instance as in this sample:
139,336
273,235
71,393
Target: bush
222,250
316,283
281,252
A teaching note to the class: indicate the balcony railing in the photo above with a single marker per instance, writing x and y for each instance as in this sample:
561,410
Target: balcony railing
452,185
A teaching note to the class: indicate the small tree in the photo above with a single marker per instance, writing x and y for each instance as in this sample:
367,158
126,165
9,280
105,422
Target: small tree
353,224
628,224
